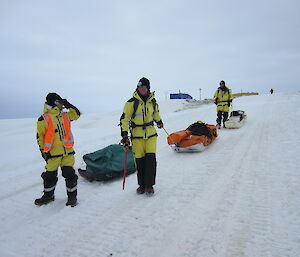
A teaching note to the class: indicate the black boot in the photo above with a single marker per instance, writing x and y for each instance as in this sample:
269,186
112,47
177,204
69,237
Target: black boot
71,184
72,199
50,179
45,199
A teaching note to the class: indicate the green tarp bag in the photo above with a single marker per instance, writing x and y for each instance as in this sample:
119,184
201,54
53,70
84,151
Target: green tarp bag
107,163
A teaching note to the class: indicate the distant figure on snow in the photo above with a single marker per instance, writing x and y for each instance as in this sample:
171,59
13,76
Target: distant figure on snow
223,99
55,141
139,114
271,91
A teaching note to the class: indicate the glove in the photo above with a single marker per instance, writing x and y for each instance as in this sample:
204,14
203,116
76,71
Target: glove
216,102
66,104
125,141
160,125
46,155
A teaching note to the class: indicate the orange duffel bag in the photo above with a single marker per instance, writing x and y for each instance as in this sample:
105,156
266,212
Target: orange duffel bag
197,133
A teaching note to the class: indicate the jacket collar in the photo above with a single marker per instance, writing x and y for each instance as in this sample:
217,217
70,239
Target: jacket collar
137,96
224,89
51,110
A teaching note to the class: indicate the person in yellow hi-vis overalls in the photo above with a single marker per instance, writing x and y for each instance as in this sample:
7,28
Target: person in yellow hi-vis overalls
223,98
55,141
139,114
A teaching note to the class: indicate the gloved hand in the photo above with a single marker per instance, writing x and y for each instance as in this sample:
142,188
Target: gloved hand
216,102
160,125
125,141
45,155
66,104
229,103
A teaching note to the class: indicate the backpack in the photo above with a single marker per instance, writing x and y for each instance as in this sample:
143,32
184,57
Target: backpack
200,129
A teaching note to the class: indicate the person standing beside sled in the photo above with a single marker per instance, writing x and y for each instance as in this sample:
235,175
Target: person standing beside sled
139,114
55,141
222,99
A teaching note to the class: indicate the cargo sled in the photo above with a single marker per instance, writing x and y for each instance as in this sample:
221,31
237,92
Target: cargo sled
107,163
193,139
236,120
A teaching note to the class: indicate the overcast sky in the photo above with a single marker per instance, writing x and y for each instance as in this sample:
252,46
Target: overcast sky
93,52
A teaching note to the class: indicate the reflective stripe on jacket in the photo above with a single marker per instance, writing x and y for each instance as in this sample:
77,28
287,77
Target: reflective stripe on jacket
68,140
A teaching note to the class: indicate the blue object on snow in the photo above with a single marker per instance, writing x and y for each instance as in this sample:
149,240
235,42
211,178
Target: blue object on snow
180,96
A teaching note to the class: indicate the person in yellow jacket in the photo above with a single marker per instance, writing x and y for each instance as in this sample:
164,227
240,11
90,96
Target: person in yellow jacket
222,98
139,115
55,141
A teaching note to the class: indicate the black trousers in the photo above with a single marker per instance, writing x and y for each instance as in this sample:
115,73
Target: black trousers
146,170
221,114
71,178
50,180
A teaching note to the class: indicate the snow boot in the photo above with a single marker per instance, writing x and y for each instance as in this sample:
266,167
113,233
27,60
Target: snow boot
140,190
71,184
46,198
72,199
50,180
149,191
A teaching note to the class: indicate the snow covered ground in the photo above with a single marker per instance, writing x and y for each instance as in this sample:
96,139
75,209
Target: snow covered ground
240,197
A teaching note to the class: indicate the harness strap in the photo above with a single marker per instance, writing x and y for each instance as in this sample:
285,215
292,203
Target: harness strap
133,125
154,135
60,155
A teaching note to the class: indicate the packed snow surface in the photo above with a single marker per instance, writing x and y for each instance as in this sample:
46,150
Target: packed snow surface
239,197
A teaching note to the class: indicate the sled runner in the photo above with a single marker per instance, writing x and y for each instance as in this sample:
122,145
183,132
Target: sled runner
193,139
236,120
107,163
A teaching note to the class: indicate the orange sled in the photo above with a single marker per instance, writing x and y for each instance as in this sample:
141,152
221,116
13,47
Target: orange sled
191,140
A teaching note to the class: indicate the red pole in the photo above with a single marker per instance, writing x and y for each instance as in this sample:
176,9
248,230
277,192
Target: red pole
125,166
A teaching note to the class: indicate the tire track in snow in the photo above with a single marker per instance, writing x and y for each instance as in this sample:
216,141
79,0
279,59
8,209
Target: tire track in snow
207,245
254,221
222,186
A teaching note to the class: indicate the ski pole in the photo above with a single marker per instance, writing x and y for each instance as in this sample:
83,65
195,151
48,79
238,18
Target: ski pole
125,166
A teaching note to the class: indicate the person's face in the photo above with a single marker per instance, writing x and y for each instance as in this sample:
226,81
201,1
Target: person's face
222,84
59,104
143,90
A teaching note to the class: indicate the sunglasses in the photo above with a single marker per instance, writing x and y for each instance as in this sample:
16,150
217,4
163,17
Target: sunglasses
56,102
140,85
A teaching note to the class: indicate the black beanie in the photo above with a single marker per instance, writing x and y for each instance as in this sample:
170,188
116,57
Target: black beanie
144,82
51,98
